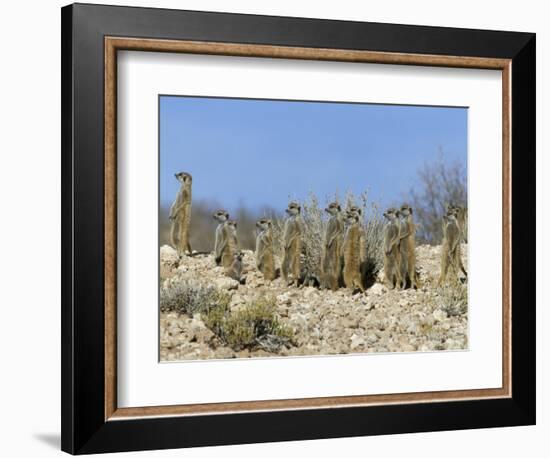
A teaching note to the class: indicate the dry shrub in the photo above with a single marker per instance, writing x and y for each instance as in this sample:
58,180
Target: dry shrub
257,325
453,299
190,297
313,235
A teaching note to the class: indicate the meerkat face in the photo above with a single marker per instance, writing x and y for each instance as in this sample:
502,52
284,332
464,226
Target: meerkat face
351,217
221,216
355,209
333,208
391,214
183,177
293,209
451,208
232,224
263,224
238,256
405,210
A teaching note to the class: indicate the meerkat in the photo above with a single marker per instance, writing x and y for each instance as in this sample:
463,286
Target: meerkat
403,249
235,270
292,244
331,263
392,255
449,247
221,216
355,209
265,260
363,248
352,259
180,215
229,245
461,215
407,247
462,219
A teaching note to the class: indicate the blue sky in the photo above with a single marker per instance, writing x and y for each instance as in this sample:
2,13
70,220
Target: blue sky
260,152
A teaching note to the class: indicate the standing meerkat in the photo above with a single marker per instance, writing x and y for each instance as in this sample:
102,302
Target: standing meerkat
229,245
363,245
407,247
352,258
180,215
221,216
235,270
331,262
392,256
461,215
292,244
450,248
265,260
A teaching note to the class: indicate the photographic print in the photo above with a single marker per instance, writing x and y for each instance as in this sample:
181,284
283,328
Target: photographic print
301,228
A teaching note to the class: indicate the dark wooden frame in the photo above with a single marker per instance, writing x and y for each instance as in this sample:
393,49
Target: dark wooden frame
91,35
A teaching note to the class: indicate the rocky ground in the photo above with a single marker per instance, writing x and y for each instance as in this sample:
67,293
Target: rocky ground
323,322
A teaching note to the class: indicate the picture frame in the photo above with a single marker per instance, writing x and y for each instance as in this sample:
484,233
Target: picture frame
92,35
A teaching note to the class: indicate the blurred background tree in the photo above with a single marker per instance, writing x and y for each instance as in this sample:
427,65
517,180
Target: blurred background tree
439,183
203,226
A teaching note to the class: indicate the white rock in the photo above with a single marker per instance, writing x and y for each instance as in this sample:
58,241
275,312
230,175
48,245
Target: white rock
226,283
168,255
439,315
284,299
356,341
428,346
310,291
378,289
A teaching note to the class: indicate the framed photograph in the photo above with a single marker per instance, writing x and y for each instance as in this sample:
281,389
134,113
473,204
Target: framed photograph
281,228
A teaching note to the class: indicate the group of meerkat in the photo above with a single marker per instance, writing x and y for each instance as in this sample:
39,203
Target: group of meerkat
226,246
343,250
343,253
228,255
400,248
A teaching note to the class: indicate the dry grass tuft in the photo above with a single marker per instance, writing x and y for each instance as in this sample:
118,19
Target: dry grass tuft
453,299
190,297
